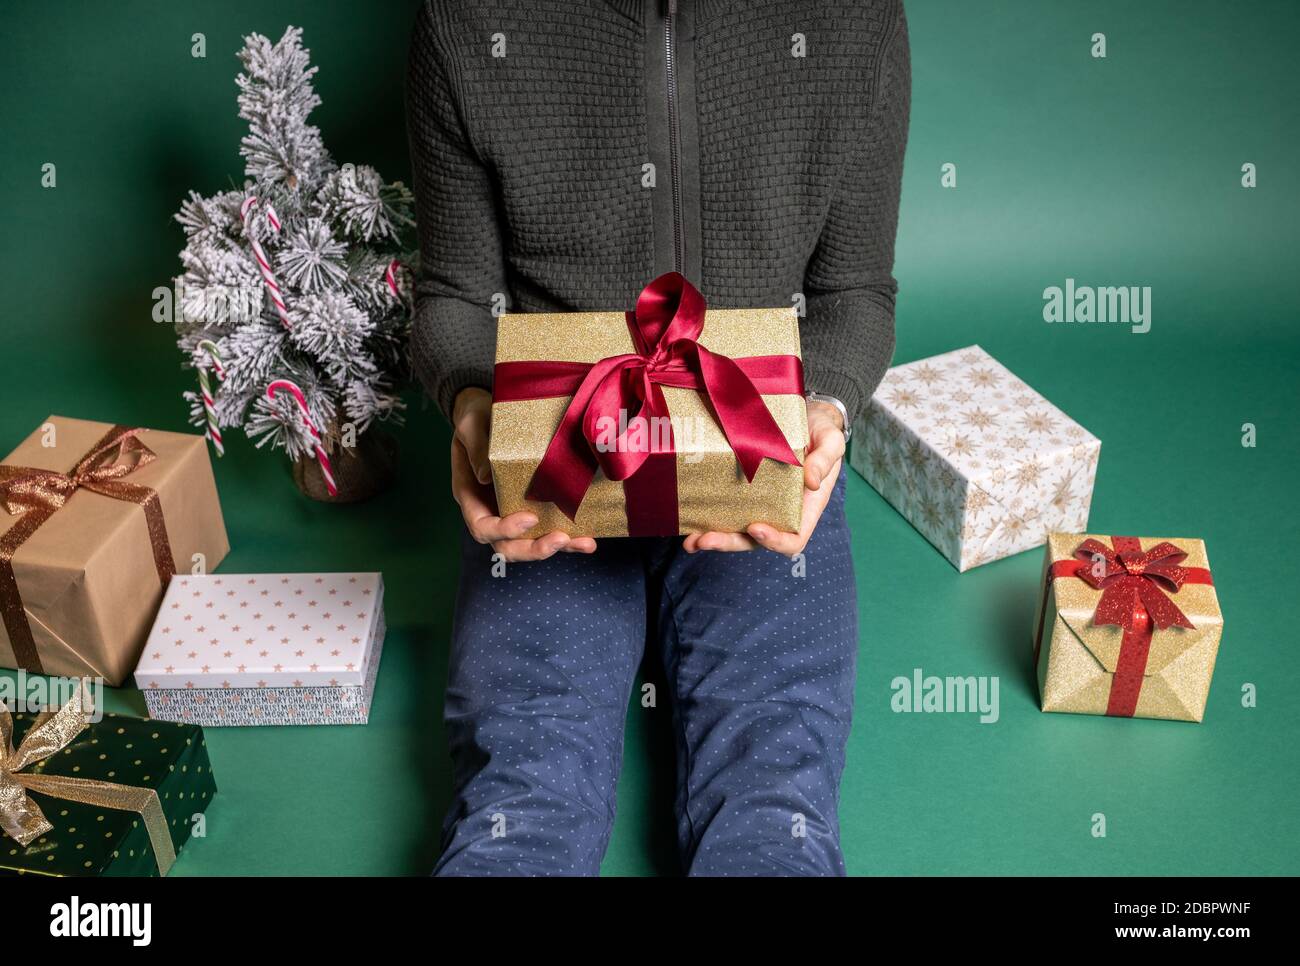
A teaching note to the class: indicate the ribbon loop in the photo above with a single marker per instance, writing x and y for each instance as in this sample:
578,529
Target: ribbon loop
1131,576
118,454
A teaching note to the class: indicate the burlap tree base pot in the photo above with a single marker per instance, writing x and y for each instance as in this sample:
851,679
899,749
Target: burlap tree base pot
360,472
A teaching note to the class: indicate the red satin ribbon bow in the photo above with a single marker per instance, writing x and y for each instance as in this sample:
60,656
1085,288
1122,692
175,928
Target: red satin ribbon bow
616,391
1135,587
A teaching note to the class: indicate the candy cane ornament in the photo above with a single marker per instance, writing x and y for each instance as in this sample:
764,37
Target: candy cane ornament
268,276
205,389
390,275
326,470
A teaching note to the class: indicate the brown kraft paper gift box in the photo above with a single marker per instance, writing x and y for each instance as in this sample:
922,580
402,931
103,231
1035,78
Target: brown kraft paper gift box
89,577
713,493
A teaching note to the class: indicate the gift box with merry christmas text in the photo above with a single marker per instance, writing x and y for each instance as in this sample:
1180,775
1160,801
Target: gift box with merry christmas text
979,463
265,649
1126,626
664,420
95,519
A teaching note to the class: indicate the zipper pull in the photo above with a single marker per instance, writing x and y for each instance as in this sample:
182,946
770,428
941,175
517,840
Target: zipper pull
672,8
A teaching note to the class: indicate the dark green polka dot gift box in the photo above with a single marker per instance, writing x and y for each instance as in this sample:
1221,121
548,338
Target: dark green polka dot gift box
118,796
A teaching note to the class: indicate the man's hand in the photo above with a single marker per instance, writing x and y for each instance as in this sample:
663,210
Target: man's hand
471,486
821,468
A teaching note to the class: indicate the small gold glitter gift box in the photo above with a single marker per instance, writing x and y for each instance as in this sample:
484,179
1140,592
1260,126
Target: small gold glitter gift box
1126,627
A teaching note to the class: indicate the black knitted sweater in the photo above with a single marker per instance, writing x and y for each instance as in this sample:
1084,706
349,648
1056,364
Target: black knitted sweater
776,131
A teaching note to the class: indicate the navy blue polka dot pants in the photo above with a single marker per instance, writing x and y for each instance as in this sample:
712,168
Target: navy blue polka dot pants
759,653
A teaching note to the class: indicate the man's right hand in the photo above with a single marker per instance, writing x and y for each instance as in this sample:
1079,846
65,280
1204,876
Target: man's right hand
471,486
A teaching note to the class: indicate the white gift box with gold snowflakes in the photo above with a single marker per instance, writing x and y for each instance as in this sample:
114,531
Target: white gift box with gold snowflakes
265,649
982,465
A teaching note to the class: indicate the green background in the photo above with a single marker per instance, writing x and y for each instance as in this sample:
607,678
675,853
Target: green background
1122,171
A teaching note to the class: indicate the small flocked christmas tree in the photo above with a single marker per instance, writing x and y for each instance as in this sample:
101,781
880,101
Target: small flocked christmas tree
331,236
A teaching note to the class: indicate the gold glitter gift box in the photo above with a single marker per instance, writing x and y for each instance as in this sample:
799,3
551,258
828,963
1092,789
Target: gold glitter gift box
712,492
1126,627
94,520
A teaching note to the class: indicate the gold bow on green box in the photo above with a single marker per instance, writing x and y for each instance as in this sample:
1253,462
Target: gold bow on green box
113,797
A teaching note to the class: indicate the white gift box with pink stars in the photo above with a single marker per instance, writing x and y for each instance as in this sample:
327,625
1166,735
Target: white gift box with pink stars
982,465
265,649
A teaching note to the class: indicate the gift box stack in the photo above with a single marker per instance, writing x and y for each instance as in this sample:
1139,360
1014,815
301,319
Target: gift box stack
664,420
97,519
985,467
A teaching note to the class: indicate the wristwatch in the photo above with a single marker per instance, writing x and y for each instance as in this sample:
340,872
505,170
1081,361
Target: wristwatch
844,413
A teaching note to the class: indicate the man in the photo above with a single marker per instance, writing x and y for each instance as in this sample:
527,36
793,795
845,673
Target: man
566,152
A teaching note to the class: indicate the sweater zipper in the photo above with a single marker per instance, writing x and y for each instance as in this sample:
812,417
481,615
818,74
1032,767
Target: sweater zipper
674,132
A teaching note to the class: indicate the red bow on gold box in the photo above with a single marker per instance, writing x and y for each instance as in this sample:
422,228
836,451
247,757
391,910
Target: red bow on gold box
1124,631
666,419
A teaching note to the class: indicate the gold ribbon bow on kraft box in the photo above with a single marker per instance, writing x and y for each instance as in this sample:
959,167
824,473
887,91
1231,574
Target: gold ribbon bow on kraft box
1127,627
94,520
132,825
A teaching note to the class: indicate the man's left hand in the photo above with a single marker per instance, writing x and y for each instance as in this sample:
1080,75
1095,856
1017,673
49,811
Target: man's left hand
821,468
